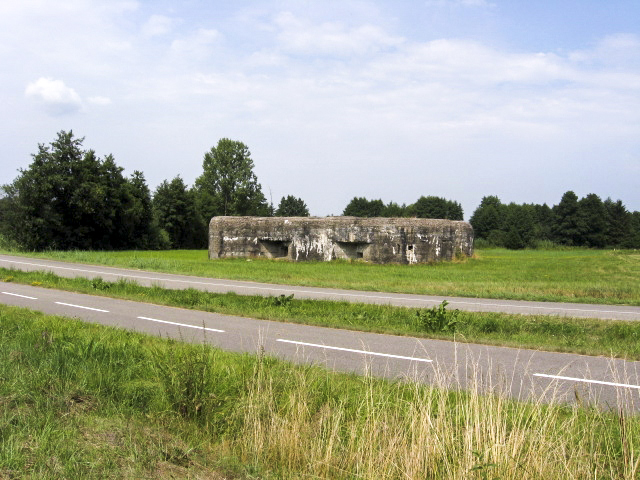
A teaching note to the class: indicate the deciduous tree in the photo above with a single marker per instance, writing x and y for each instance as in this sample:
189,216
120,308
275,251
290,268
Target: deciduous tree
521,224
292,207
175,213
228,185
361,207
436,207
393,210
488,219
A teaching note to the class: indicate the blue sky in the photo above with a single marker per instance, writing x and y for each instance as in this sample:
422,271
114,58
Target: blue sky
336,99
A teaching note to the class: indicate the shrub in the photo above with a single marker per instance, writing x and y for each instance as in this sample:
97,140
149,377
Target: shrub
437,319
281,300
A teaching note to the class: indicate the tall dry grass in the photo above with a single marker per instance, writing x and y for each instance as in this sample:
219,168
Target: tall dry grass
416,432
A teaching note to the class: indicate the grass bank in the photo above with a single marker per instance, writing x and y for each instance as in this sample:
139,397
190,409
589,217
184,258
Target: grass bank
85,401
562,334
575,275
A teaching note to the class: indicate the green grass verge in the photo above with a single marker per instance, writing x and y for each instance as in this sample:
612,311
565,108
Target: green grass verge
574,275
84,401
551,333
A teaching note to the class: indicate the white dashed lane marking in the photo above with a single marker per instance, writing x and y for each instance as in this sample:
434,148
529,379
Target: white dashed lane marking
83,307
182,324
21,296
585,380
351,350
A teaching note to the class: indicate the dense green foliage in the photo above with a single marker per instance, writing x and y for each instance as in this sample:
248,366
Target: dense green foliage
292,207
68,198
586,222
424,207
436,207
361,207
228,185
175,213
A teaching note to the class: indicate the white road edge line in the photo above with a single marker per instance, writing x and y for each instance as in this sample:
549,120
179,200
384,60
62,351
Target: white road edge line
328,294
364,352
17,295
83,307
599,382
182,324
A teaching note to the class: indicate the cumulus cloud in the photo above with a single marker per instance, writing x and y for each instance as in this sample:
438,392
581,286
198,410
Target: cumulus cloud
470,64
54,96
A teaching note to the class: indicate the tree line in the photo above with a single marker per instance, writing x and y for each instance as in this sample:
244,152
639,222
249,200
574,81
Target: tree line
69,198
424,207
586,222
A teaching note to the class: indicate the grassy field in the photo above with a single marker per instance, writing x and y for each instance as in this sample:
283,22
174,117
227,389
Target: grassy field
84,401
576,275
551,333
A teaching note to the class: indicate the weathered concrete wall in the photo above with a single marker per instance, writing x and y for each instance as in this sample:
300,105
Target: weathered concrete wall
378,240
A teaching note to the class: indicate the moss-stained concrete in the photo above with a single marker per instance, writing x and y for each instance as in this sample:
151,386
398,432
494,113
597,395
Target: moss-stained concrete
377,240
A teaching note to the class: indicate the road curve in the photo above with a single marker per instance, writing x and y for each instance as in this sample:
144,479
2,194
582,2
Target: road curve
521,374
173,281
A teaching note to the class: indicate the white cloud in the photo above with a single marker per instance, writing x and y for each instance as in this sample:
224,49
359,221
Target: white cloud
331,38
54,95
112,7
157,25
348,103
621,51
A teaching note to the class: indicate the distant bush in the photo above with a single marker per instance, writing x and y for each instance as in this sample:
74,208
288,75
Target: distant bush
587,222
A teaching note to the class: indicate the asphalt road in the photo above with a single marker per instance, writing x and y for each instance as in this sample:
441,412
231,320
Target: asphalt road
523,374
66,269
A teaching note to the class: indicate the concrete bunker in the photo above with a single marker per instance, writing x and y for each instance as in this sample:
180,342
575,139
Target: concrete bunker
377,240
